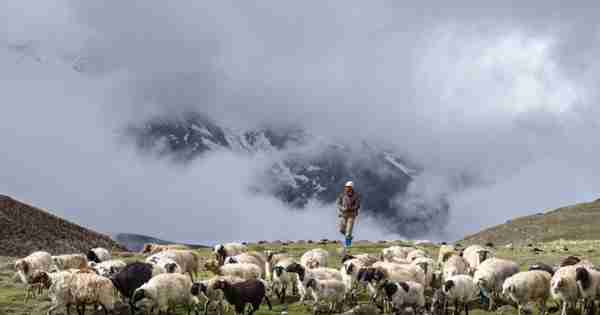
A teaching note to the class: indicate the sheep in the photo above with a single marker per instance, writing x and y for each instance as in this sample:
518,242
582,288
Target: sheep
398,272
564,288
239,294
475,255
445,252
382,271
244,271
188,260
330,290
255,258
167,264
70,261
89,288
454,265
130,278
57,284
98,254
460,290
272,260
395,252
588,284
405,293
490,275
108,268
223,251
428,266
305,274
417,253
152,248
315,258
362,309
439,303
542,266
25,267
365,260
283,279
528,286
164,292
206,290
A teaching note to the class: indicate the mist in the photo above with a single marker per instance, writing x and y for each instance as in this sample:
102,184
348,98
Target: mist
504,97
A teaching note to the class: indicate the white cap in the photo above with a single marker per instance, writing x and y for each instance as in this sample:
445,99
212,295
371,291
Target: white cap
349,184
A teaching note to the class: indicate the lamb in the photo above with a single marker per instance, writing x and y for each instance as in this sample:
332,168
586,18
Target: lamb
455,265
475,255
244,271
98,255
108,268
91,289
25,267
223,251
564,288
255,258
167,264
528,286
57,284
283,279
152,248
70,261
188,260
417,253
305,274
272,260
315,258
392,253
460,290
379,273
445,252
330,290
490,275
241,293
164,292
132,277
206,290
405,293
349,272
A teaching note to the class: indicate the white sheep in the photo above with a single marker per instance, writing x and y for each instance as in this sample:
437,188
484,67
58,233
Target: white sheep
282,279
528,286
25,267
109,267
315,258
563,287
445,252
272,260
475,255
164,292
69,261
400,272
223,251
428,266
244,271
404,294
58,285
416,253
490,275
188,260
255,258
389,254
305,274
152,248
98,255
455,265
331,291
588,284
92,289
460,290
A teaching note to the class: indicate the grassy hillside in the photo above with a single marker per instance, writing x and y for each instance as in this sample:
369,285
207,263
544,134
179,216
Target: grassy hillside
12,293
578,222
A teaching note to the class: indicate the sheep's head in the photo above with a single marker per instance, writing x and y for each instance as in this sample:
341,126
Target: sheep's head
378,275
198,287
349,267
171,267
142,300
312,264
147,248
57,262
92,256
389,288
582,276
42,278
312,283
296,268
221,284
22,265
347,257
269,254
483,255
278,270
220,253
231,260
447,286
212,266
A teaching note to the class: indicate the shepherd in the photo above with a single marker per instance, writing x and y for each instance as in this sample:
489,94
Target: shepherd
348,204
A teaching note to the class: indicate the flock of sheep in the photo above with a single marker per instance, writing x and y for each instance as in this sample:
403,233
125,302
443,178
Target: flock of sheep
398,279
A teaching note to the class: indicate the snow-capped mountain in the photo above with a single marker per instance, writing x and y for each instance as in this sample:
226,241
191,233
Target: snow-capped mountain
298,175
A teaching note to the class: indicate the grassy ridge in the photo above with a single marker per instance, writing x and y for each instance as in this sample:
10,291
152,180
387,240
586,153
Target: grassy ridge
12,294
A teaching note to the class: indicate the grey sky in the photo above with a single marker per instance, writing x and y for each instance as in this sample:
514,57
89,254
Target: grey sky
506,93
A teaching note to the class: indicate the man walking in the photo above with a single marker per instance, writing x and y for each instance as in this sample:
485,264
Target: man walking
348,204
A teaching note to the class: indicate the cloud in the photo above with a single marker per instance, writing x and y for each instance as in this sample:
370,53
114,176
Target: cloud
498,104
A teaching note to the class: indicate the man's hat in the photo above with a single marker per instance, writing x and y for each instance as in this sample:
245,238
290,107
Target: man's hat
349,184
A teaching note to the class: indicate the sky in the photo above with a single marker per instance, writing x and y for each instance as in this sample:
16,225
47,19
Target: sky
505,94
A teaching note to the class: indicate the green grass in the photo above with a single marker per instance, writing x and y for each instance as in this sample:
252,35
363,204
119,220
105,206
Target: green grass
12,293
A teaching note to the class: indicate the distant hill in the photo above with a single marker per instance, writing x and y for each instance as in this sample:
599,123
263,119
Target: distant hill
135,242
24,229
578,222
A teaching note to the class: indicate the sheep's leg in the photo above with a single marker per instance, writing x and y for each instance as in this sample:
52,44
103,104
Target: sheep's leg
466,308
542,306
491,299
564,308
52,308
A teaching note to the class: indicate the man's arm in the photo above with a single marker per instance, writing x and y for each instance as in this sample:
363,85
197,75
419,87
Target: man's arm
338,202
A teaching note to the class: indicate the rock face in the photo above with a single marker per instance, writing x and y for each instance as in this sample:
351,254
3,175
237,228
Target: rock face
24,229
297,175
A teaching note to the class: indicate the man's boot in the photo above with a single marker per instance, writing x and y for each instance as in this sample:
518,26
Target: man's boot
348,241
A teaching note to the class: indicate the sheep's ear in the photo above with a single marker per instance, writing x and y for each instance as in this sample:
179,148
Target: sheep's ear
448,285
404,286
390,288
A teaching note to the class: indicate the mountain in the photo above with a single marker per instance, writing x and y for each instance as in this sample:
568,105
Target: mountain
135,242
577,222
306,167
24,229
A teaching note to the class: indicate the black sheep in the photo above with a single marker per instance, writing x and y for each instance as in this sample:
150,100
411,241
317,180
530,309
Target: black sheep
238,294
133,276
